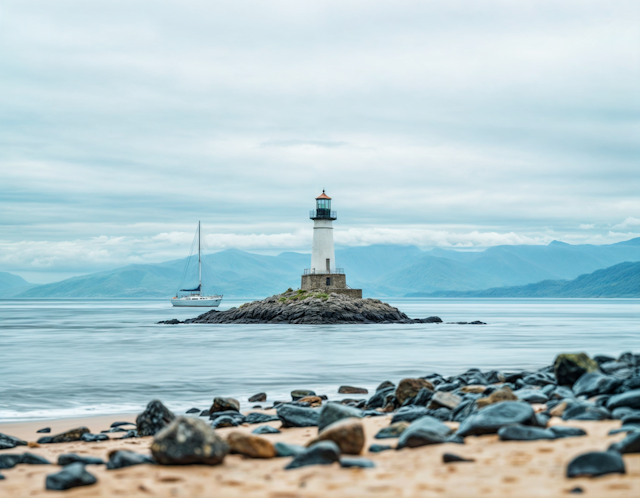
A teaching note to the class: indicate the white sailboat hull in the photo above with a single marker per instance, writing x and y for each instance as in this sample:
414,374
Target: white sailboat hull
197,301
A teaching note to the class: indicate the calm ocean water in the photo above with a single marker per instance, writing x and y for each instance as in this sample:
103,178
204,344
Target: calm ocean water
65,358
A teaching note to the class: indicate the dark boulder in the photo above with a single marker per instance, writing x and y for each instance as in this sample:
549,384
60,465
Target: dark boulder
352,390
422,432
409,414
225,421
332,412
379,399
265,429
224,404
287,450
630,444
393,430
71,476
631,418
65,437
570,367
423,397
69,458
301,393
463,410
561,431
192,410
154,418
297,416
132,433
531,396
630,399
347,433
259,418
119,459
450,458
524,433
45,430
321,453
362,463
387,384
258,398
94,438
595,383
443,399
596,463
8,461
409,388
490,419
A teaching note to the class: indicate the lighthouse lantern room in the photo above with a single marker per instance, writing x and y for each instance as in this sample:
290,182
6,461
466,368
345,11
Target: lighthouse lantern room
323,273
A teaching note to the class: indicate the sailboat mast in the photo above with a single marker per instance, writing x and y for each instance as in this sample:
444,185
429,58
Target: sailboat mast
199,262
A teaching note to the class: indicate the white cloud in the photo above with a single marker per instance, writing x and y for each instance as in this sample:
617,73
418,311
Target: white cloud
587,226
628,223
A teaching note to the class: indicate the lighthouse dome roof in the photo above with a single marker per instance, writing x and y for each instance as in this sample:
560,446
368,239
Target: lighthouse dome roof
323,196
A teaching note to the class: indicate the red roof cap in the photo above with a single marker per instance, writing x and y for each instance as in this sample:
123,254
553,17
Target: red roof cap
323,196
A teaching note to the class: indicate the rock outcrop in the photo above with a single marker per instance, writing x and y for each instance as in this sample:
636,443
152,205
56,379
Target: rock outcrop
309,307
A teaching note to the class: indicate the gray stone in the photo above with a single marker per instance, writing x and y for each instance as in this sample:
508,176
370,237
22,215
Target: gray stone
154,418
321,453
225,421
363,463
595,383
393,430
422,432
65,437
524,433
630,444
192,410
301,393
221,404
120,424
561,431
409,414
490,419
69,458
287,450
187,441
443,399
451,458
378,400
377,448
265,429
332,412
124,458
570,367
531,396
71,476
297,416
45,430
630,399
624,428
94,438
258,398
596,463
259,418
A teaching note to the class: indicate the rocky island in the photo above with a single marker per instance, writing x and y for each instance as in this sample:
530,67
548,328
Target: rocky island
310,307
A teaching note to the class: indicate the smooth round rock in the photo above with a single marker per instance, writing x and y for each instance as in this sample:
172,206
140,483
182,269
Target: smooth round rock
332,412
596,463
490,419
322,453
423,432
250,446
524,433
71,476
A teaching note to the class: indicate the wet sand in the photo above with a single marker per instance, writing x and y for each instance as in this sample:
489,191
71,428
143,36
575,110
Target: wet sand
501,469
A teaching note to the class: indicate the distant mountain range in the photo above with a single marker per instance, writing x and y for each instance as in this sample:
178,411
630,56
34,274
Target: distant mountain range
380,270
621,280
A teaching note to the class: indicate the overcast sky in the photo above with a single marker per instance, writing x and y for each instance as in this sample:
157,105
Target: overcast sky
436,123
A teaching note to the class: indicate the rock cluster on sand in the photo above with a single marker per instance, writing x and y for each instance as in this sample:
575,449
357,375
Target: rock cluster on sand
310,307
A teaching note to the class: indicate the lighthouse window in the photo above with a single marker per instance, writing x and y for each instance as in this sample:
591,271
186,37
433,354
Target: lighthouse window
328,280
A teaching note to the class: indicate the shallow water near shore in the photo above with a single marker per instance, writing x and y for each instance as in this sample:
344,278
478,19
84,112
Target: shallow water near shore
78,357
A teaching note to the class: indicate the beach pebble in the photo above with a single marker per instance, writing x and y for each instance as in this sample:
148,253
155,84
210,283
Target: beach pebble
423,397
8,461
45,430
259,418
69,458
394,430
188,440
154,418
561,431
409,414
94,438
385,385
132,433
424,431
442,399
490,419
287,450
362,463
624,428
65,437
225,421
630,444
451,457
332,412
630,399
120,424
498,396
570,367
224,404
192,410
524,433
347,433
378,448
297,416
250,446
531,396
631,418
379,399
119,459
409,388
352,390
265,429
595,383
596,463
71,476
576,491
322,453
258,398
301,393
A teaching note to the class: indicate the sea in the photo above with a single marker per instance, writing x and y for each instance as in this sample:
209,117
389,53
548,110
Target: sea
81,357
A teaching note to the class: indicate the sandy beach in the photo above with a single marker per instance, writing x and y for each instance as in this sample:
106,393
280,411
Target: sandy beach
501,469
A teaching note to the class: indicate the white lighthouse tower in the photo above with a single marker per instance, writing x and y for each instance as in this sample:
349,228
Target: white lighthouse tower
323,274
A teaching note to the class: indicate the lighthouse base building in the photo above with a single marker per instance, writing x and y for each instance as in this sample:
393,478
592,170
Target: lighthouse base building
324,275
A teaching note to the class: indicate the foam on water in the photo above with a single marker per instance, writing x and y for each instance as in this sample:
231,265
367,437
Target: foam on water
68,358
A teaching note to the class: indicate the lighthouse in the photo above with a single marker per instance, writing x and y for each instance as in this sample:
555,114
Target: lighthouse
324,275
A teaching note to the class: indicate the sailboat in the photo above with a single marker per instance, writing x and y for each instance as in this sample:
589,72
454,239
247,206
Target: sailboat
195,297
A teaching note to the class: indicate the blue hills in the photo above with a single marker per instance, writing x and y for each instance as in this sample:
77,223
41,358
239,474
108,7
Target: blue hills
380,270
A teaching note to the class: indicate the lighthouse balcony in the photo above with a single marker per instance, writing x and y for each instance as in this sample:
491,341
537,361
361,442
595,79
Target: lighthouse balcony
323,214
314,271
